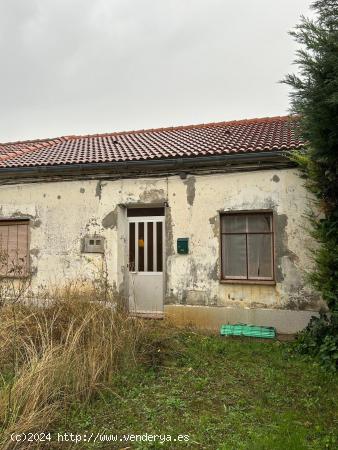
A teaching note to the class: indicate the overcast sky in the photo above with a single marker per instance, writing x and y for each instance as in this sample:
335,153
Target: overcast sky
87,66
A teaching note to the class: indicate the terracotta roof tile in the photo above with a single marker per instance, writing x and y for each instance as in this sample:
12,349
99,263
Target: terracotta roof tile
254,135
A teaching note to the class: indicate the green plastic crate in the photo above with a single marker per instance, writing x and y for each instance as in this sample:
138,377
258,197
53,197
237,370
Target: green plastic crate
242,329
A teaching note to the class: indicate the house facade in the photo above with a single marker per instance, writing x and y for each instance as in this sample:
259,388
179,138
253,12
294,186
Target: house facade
201,224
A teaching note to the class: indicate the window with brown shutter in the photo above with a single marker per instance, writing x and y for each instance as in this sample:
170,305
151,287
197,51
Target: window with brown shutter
247,247
14,248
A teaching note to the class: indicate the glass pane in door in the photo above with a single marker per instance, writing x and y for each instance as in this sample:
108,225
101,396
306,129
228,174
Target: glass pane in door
141,247
150,247
132,247
159,246
146,246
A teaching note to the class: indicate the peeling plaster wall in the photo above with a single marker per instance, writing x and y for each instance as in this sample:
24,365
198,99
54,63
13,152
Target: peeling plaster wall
63,212
194,279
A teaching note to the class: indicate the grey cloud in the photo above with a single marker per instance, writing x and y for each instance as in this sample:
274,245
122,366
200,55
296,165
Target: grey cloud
84,66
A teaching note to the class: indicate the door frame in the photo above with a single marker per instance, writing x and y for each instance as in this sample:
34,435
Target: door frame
147,219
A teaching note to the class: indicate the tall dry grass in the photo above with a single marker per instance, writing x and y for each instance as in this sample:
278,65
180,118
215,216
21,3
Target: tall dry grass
51,355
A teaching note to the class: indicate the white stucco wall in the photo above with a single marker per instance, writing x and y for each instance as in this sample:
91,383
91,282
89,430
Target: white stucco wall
63,212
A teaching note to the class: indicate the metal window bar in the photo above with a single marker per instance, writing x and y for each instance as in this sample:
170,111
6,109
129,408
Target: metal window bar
145,246
155,246
156,242
136,247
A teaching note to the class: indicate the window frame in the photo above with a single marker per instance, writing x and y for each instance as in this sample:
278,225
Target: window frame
246,280
17,221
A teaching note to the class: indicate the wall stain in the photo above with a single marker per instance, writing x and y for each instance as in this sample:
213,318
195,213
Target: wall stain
92,223
213,272
302,299
282,249
275,178
170,248
19,214
82,190
123,287
110,220
191,190
214,222
98,189
299,296
34,221
152,196
197,297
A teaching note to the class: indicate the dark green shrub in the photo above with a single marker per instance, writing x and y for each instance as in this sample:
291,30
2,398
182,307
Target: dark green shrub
315,98
320,339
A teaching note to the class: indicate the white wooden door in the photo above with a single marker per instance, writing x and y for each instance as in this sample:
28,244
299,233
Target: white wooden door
146,262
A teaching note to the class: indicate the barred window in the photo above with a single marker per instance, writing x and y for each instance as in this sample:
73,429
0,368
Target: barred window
247,247
13,248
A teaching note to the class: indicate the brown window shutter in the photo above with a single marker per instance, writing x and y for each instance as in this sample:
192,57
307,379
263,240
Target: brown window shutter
14,248
23,248
3,248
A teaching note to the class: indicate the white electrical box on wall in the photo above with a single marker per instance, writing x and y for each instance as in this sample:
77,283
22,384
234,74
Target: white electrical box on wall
93,244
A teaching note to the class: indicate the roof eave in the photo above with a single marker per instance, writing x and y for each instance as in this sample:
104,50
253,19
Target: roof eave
259,159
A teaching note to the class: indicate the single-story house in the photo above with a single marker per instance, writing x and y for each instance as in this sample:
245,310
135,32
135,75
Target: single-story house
203,224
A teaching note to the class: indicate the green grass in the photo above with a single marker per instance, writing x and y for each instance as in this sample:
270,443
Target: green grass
224,393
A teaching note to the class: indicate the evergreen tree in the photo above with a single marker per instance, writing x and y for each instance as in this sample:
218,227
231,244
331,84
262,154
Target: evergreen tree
314,97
